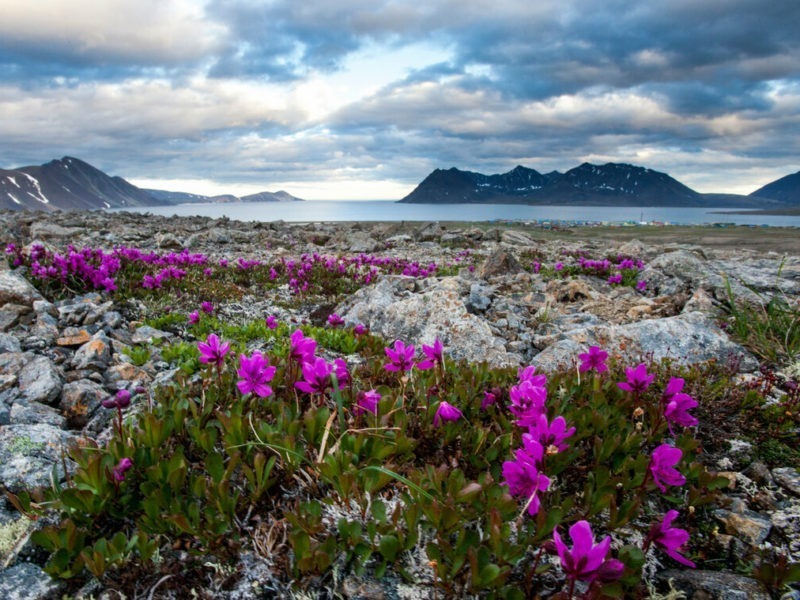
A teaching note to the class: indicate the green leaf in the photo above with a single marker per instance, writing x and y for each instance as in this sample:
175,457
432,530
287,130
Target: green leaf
489,573
389,547
215,467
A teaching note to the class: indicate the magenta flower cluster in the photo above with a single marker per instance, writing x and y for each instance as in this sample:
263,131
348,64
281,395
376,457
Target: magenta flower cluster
524,475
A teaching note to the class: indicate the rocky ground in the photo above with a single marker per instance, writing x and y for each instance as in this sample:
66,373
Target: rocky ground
59,361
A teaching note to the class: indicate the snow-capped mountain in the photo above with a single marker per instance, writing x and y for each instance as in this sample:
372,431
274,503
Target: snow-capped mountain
67,184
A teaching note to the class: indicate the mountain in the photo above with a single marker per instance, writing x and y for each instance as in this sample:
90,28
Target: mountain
67,184
786,190
612,184
279,196
176,197
185,198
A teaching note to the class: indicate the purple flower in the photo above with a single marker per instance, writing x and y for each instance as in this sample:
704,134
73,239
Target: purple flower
212,351
559,266
615,279
317,377
301,348
529,374
120,400
119,471
594,359
662,467
550,434
676,410
638,379
434,356
402,357
489,398
367,402
340,370
271,322
359,329
522,475
641,285
587,560
194,318
527,402
446,412
335,320
674,386
255,373
671,539
207,307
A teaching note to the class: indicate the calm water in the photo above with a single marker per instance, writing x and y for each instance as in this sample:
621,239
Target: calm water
391,211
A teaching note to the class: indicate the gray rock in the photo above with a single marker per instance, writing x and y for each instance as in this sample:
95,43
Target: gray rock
749,526
45,328
45,307
362,242
168,241
687,339
146,335
8,343
713,585
46,230
94,354
500,262
11,364
30,413
789,478
479,297
438,312
30,453
516,238
26,581
16,289
80,400
10,315
40,381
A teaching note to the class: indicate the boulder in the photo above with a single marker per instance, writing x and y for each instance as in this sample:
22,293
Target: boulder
514,237
40,381
30,453
16,289
500,262
713,585
688,338
439,312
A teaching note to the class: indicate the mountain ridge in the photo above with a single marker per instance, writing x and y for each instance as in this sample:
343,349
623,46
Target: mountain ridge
70,183
610,184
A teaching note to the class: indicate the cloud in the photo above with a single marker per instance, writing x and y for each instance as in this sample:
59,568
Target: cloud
386,90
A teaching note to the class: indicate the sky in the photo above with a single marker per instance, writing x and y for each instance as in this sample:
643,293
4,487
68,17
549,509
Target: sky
361,99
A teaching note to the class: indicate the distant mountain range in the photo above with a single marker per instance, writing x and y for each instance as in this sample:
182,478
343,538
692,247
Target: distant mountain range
72,184
612,184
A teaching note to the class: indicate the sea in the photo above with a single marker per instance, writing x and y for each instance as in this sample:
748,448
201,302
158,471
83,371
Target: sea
382,210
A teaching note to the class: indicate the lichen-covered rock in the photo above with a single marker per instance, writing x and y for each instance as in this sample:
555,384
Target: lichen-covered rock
713,585
439,312
788,478
30,454
26,581
30,413
687,339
